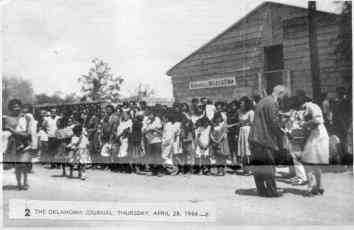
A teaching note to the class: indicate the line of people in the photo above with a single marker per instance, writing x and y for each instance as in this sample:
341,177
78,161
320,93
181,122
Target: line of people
249,136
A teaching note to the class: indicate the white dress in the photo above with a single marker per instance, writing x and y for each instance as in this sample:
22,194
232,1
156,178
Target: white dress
243,148
168,137
203,141
177,143
123,149
316,149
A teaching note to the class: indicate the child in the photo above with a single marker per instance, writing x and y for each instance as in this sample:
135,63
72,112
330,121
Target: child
202,160
168,141
63,134
152,131
136,148
220,145
187,135
43,143
123,131
79,152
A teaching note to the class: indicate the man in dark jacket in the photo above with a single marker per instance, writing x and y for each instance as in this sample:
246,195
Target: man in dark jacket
265,140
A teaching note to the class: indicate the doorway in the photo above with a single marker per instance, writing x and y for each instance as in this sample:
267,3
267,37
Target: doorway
273,66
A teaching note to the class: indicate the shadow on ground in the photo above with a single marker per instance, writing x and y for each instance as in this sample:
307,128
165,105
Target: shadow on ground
9,187
253,192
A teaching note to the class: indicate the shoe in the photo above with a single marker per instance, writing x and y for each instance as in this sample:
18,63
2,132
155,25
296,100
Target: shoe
25,187
314,191
321,191
308,194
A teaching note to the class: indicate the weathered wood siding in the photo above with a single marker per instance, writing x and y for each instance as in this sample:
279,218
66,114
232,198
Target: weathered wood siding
297,55
242,46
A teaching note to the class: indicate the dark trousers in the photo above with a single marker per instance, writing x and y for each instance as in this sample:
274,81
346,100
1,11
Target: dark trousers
263,169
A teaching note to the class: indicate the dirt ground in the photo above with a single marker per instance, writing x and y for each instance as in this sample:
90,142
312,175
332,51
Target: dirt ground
236,200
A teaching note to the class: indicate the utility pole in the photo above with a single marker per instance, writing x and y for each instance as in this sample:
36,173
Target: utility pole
314,59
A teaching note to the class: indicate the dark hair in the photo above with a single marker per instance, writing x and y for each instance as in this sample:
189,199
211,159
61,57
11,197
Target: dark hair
110,106
77,130
186,106
14,102
195,100
204,121
217,115
257,98
297,101
218,103
248,103
61,123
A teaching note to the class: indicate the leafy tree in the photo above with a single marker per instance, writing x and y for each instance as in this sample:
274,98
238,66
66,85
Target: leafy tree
16,87
100,83
344,39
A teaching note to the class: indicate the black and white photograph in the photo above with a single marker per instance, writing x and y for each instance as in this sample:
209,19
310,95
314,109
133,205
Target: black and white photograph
193,114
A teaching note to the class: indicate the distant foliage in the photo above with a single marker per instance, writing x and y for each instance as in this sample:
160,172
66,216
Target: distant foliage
143,91
100,83
344,40
56,98
16,87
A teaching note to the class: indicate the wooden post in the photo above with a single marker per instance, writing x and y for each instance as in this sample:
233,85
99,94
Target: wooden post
314,60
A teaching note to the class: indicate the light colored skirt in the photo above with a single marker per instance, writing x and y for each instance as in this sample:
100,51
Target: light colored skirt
316,149
243,148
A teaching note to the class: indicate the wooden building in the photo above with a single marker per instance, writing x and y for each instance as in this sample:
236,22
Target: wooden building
273,44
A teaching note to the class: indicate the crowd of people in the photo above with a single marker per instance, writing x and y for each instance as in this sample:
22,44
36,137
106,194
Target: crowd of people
249,136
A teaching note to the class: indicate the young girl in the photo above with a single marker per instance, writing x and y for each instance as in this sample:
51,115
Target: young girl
179,158
153,135
245,116
220,145
187,134
169,134
80,155
136,146
202,160
124,129
63,135
43,144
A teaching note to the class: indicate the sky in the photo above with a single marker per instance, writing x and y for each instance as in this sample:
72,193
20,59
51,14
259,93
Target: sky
52,42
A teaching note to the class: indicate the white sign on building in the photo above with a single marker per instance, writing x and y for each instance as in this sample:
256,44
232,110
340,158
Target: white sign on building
213,83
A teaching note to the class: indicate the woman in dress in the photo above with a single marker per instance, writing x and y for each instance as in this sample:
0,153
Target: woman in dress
233,131
220,144
316,150
245,116
18,151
